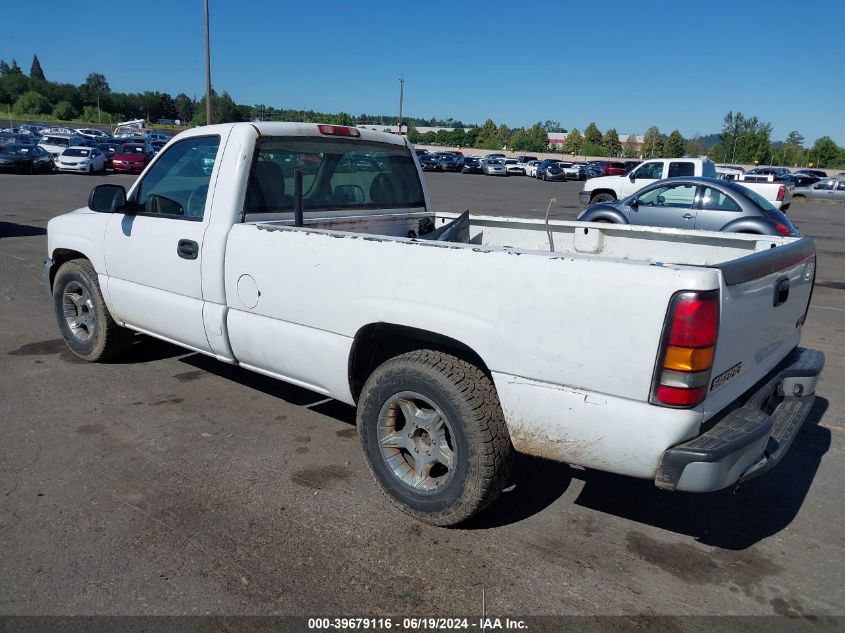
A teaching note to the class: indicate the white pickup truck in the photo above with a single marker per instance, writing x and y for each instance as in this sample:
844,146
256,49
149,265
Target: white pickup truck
609,188
311,253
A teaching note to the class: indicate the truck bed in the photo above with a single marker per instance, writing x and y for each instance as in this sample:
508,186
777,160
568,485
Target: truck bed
649,245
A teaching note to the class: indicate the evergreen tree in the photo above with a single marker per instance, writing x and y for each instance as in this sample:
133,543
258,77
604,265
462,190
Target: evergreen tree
35,71
14,69
5,69
675,146
592,134
611,143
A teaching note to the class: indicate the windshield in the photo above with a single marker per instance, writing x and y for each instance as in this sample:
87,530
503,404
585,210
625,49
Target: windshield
334,176
76,152
56,140
471,161
132,149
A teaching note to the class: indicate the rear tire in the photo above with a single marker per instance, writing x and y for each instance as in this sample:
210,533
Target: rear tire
84,320
434,436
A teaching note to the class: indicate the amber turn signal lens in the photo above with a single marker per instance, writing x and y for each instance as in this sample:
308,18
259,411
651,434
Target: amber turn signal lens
688,358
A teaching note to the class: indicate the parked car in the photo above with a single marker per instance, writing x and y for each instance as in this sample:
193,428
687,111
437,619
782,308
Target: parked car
827,189
769,171
611,167
449,162
544,171
132,158
798,180
91,132
570,170
711,204
472,165
57,143
82,159
151,136
812,172
513,167
25,159
158,145
494,155
494,167
701,386
531,168
110,149
429,162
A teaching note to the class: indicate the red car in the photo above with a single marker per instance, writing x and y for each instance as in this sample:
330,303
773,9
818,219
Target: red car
611,168
132,158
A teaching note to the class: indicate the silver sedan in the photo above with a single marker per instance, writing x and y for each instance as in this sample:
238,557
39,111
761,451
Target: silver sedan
494,167
709,204
827,189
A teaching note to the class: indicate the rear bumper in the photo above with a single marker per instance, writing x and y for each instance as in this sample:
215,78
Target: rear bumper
752,438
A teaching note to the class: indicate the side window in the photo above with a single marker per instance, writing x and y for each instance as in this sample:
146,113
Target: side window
825,185
177,185
715,200
681,169
841,186
672,196
653,171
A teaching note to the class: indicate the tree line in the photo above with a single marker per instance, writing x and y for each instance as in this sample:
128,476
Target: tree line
743,139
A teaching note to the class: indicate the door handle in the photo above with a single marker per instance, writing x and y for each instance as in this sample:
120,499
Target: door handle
687,216
781,292
188,249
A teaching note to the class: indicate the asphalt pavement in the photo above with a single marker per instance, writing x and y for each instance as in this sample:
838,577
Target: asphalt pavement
169,483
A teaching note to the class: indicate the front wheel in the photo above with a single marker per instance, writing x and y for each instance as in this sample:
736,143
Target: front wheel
602,197
434,436
84,320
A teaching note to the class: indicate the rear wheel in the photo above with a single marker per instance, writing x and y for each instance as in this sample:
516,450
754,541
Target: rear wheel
434,436
84,320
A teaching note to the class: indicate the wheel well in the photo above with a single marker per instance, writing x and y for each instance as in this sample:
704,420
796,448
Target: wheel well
60,256
378,342
596,192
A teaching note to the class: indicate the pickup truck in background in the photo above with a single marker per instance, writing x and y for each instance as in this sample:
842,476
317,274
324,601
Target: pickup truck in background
452,334
610,188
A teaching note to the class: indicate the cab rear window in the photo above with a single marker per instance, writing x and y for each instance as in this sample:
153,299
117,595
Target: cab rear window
337,173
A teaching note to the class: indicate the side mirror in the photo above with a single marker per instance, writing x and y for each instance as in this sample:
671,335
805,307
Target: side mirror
632,176
107,198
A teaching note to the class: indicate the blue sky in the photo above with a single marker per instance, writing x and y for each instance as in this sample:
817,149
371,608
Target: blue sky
674,64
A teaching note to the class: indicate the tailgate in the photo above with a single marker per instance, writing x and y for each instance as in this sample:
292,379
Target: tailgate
764,300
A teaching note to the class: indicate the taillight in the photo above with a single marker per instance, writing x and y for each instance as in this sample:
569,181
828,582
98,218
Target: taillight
338,130
687,349
782,228
781,192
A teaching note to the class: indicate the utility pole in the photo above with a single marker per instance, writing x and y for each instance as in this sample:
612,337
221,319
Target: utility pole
401,101
207,70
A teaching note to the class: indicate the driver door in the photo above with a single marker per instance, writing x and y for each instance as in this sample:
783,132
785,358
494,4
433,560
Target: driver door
643,176
154,255
669,205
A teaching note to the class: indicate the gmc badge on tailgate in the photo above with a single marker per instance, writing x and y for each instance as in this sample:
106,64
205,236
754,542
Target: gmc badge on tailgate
725,376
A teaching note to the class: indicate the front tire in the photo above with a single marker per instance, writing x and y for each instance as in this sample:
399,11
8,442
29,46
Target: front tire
84,320
434,436
602,197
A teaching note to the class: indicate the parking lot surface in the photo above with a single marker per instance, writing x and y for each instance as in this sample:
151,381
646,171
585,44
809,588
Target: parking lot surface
170,483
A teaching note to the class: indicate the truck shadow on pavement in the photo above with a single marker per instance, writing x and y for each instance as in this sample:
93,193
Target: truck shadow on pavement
734,518
298,396
13,229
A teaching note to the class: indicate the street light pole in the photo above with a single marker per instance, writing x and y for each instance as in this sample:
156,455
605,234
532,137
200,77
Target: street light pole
401,102
207,70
